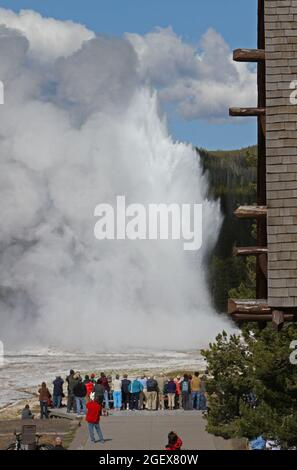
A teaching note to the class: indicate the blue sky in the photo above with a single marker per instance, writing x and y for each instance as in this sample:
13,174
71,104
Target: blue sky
235,20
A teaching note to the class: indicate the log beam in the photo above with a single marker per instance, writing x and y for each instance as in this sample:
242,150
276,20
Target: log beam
245,112
249,55
247,306
249,251
250,212
243,317
245,310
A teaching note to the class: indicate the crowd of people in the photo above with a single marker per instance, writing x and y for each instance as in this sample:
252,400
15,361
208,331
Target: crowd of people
122,393
150,393
94,396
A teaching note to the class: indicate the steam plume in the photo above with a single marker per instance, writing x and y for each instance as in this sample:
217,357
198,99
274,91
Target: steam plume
80,127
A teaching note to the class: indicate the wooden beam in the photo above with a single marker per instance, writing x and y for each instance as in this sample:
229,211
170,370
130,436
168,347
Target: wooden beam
243,317
249,250
249,55
245,112
250,212
247,306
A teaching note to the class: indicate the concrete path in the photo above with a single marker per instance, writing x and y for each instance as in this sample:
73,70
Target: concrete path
145,430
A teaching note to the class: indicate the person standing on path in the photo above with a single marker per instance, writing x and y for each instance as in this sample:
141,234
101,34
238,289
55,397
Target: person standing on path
135,388
190,394
171,390
152,393
195,388
186,390
89,385
80,392
93,418
142,395
161,386
106,386
57,391
99,392
202,397
44,396
178,392
117,393
126,392
71,405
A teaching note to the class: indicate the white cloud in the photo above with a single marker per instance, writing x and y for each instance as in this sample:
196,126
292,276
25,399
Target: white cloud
202,82
49,38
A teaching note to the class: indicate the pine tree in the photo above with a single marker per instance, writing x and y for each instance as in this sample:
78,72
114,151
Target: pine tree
252,388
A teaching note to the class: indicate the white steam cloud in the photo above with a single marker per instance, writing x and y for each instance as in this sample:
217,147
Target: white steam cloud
79,127
200,82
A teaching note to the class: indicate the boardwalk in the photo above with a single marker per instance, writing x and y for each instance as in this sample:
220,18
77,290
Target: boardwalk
146,430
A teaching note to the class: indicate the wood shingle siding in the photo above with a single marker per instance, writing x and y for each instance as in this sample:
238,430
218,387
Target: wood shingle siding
281,151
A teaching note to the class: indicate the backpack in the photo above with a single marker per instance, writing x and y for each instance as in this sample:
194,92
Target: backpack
150,385
185,386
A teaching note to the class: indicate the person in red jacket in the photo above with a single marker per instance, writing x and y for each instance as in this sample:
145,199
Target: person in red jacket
89,385
93,418
174,442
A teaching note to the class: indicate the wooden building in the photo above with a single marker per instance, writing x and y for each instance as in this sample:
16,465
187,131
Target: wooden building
276,209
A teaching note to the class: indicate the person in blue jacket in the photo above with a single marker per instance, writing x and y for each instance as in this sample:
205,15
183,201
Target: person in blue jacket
259,443
135,387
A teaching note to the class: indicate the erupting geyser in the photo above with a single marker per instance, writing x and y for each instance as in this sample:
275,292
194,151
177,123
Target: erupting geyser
79,129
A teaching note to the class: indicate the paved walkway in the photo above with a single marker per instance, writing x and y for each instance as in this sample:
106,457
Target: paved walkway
144,430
